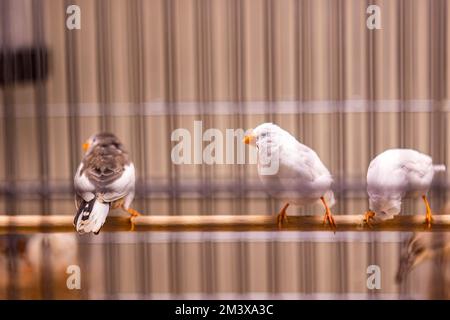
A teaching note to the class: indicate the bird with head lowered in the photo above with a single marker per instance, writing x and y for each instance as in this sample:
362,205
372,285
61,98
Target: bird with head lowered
394,174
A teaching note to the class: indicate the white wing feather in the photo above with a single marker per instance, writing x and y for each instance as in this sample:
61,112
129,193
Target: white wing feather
393,174
83,186
301,176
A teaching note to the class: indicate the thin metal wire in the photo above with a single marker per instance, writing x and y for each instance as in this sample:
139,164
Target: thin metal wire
240,188
9,125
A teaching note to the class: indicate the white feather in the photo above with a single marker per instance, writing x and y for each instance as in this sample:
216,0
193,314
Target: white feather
392,175
96,218
301,177
83,186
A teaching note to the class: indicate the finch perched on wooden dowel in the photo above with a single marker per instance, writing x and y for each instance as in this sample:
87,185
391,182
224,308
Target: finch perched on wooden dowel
290,170
105,180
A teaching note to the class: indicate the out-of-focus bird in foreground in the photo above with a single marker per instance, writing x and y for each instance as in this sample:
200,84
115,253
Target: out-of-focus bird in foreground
105,180
62,251
36,257
419,248
290,170
392,175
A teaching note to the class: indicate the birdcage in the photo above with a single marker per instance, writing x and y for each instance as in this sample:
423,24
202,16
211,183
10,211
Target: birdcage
348,78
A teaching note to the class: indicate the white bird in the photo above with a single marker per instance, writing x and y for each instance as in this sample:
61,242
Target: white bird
290,170
105,180
392,175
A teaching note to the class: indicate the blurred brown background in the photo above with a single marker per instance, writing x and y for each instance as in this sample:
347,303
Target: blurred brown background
142,69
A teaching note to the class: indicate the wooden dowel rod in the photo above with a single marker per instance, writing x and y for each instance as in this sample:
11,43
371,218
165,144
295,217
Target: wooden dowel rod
58,223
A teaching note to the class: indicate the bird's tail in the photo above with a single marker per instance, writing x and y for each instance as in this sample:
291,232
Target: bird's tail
439,167
91,216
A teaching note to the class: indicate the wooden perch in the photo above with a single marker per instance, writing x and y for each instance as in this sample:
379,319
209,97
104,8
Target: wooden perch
21,224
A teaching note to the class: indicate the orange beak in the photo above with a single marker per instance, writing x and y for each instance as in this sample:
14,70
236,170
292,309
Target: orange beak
86,146
249,137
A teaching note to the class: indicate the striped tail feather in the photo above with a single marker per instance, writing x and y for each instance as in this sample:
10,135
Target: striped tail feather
91,216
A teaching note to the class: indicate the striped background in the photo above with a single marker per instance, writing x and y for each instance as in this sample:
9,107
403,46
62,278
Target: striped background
143,68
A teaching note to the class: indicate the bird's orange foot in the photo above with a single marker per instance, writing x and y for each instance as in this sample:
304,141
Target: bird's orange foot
428,217
133,214
281,217
368,216
329,218
428,220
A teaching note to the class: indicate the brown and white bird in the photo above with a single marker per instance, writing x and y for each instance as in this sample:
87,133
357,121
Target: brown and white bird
419,248
105,180
290,170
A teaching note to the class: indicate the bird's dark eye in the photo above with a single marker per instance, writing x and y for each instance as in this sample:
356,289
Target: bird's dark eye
264,134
